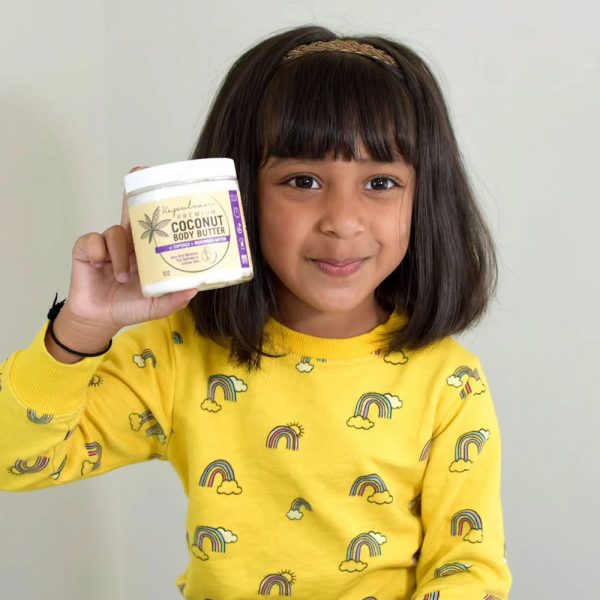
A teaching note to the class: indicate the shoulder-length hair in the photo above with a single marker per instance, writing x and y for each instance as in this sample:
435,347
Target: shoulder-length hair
329,102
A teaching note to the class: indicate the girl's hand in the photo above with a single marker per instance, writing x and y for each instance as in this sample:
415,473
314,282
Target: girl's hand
105,293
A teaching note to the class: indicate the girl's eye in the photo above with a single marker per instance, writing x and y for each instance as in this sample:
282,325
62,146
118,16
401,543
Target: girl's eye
381,183
305,182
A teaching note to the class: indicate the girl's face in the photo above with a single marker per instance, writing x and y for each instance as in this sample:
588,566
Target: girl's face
332,231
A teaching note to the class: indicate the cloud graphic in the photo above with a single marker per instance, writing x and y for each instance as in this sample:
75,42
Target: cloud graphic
485,433
454,381
162,438
381,498
199,553
295,515
87,466
229,487
475,536
304,367
210,406
396,358
359,422
352,565
228,536
378,537
394,401
136,421
460,466
239,385
477,386
139,360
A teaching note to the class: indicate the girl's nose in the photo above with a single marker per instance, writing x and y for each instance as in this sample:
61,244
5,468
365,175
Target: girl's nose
341,214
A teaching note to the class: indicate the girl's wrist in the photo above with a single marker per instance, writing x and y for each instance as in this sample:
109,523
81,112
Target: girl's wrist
76,334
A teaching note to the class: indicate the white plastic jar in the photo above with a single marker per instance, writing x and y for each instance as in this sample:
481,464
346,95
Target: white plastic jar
188,226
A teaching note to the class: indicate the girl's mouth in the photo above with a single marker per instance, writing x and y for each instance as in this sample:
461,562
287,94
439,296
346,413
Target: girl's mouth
338,268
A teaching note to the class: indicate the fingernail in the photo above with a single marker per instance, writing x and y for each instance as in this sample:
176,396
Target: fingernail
122,277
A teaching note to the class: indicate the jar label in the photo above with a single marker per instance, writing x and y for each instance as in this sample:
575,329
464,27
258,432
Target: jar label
189,234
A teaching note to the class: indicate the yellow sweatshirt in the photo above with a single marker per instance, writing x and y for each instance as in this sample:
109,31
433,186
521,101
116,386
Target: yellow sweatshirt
336,472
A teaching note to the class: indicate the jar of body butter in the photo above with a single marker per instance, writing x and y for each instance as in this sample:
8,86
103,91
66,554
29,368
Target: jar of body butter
188,227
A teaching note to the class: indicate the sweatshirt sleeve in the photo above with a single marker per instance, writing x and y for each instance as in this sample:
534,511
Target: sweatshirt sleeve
64,423
463,553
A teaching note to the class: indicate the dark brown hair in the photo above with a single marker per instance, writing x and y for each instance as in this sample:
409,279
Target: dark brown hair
329,102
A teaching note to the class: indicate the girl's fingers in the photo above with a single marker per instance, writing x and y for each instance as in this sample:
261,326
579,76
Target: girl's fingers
118,251
90,248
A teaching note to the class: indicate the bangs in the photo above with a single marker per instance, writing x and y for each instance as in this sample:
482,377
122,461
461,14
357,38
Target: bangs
331,103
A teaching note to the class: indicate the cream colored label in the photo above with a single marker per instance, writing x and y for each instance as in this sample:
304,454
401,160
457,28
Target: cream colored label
189,234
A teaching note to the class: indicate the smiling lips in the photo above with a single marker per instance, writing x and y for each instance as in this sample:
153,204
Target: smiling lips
338,268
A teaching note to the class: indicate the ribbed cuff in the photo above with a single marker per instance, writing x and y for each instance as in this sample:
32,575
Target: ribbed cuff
42,383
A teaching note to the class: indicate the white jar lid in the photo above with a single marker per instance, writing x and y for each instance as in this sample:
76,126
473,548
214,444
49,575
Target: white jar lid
180,172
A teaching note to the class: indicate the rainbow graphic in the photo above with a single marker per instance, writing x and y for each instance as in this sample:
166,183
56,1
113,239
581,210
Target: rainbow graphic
383,404
457,377
140,359
425,452
451,569
58,471
356,545
477,438
465,518
176,337
295,513
22,468
432,596
224,383
365,481
217,467
94,450
283,582
291,434
490,597
215,536
157,431
69,434
139,419
38,419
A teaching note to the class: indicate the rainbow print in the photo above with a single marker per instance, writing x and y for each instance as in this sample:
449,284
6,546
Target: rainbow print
217,541
21,467
157,430
451,569
383,404
299,503
465,518
456,380
490,597
476,438
356,545
176,337
373,481
38,419
432,596
94,450
224,383
283,582
217,467
291,434
425,452
58,471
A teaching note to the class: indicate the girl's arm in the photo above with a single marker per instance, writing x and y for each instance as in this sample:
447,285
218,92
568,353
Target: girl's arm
66,422
463,551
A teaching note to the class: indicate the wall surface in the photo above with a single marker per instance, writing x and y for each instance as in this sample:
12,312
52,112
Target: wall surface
88,90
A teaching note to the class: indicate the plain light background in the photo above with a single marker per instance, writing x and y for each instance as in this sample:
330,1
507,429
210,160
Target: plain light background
90,89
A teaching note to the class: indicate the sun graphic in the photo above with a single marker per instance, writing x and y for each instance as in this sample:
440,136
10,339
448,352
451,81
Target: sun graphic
95,381
297,428
288,575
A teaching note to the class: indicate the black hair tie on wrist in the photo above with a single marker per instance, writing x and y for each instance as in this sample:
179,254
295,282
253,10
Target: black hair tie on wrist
52,314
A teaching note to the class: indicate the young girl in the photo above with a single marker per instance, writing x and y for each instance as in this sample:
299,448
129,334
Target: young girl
333,440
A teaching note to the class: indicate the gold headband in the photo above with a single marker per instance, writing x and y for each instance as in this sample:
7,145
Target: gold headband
351,46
